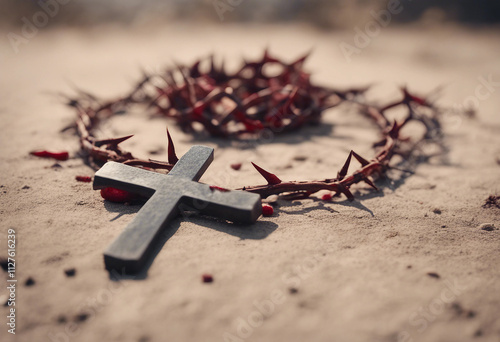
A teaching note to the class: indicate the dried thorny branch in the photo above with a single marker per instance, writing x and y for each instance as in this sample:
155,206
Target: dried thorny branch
246,103
393,143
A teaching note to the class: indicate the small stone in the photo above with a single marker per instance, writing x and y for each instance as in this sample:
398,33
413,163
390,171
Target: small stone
300,158
70,272
26,187
492,202
273,199
81,317
443,226
236,166
457,308
391,235
470,314
293,290
488,227
207,278
156,151
4,264
433,275
437,211
30,282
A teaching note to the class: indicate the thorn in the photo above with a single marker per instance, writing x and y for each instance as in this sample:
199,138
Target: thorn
212,64
341,174
362,160
348,193
267,57
195,69
302,59
271,178
394,132
223,66
172,157
409,97
112,141
370,183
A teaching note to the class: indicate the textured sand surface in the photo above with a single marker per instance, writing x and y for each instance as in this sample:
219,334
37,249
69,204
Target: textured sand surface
316,271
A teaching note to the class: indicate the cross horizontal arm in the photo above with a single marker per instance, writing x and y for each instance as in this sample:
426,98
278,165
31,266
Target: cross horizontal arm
235,206
128,178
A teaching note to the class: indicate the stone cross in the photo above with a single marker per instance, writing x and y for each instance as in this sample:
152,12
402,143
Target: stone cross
168,194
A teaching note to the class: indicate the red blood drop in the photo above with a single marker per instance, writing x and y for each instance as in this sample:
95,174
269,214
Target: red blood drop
236,166
116,195
267,210
326,197
85,179
207,278
55,155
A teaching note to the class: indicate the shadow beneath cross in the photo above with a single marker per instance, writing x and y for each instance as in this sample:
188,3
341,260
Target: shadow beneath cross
256,231
123,209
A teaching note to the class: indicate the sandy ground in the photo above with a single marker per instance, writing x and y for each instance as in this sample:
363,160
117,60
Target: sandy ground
339,271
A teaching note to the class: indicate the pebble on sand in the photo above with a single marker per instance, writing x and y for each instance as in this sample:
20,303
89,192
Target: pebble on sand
488,227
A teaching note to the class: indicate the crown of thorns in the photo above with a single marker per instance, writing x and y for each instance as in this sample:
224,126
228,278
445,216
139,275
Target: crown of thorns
264,95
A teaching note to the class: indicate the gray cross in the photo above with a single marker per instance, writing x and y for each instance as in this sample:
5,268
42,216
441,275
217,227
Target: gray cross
168,194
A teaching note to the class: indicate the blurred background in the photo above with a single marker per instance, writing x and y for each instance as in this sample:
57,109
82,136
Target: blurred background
326,14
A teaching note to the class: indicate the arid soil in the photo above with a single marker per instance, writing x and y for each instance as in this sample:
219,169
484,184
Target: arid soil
408,263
